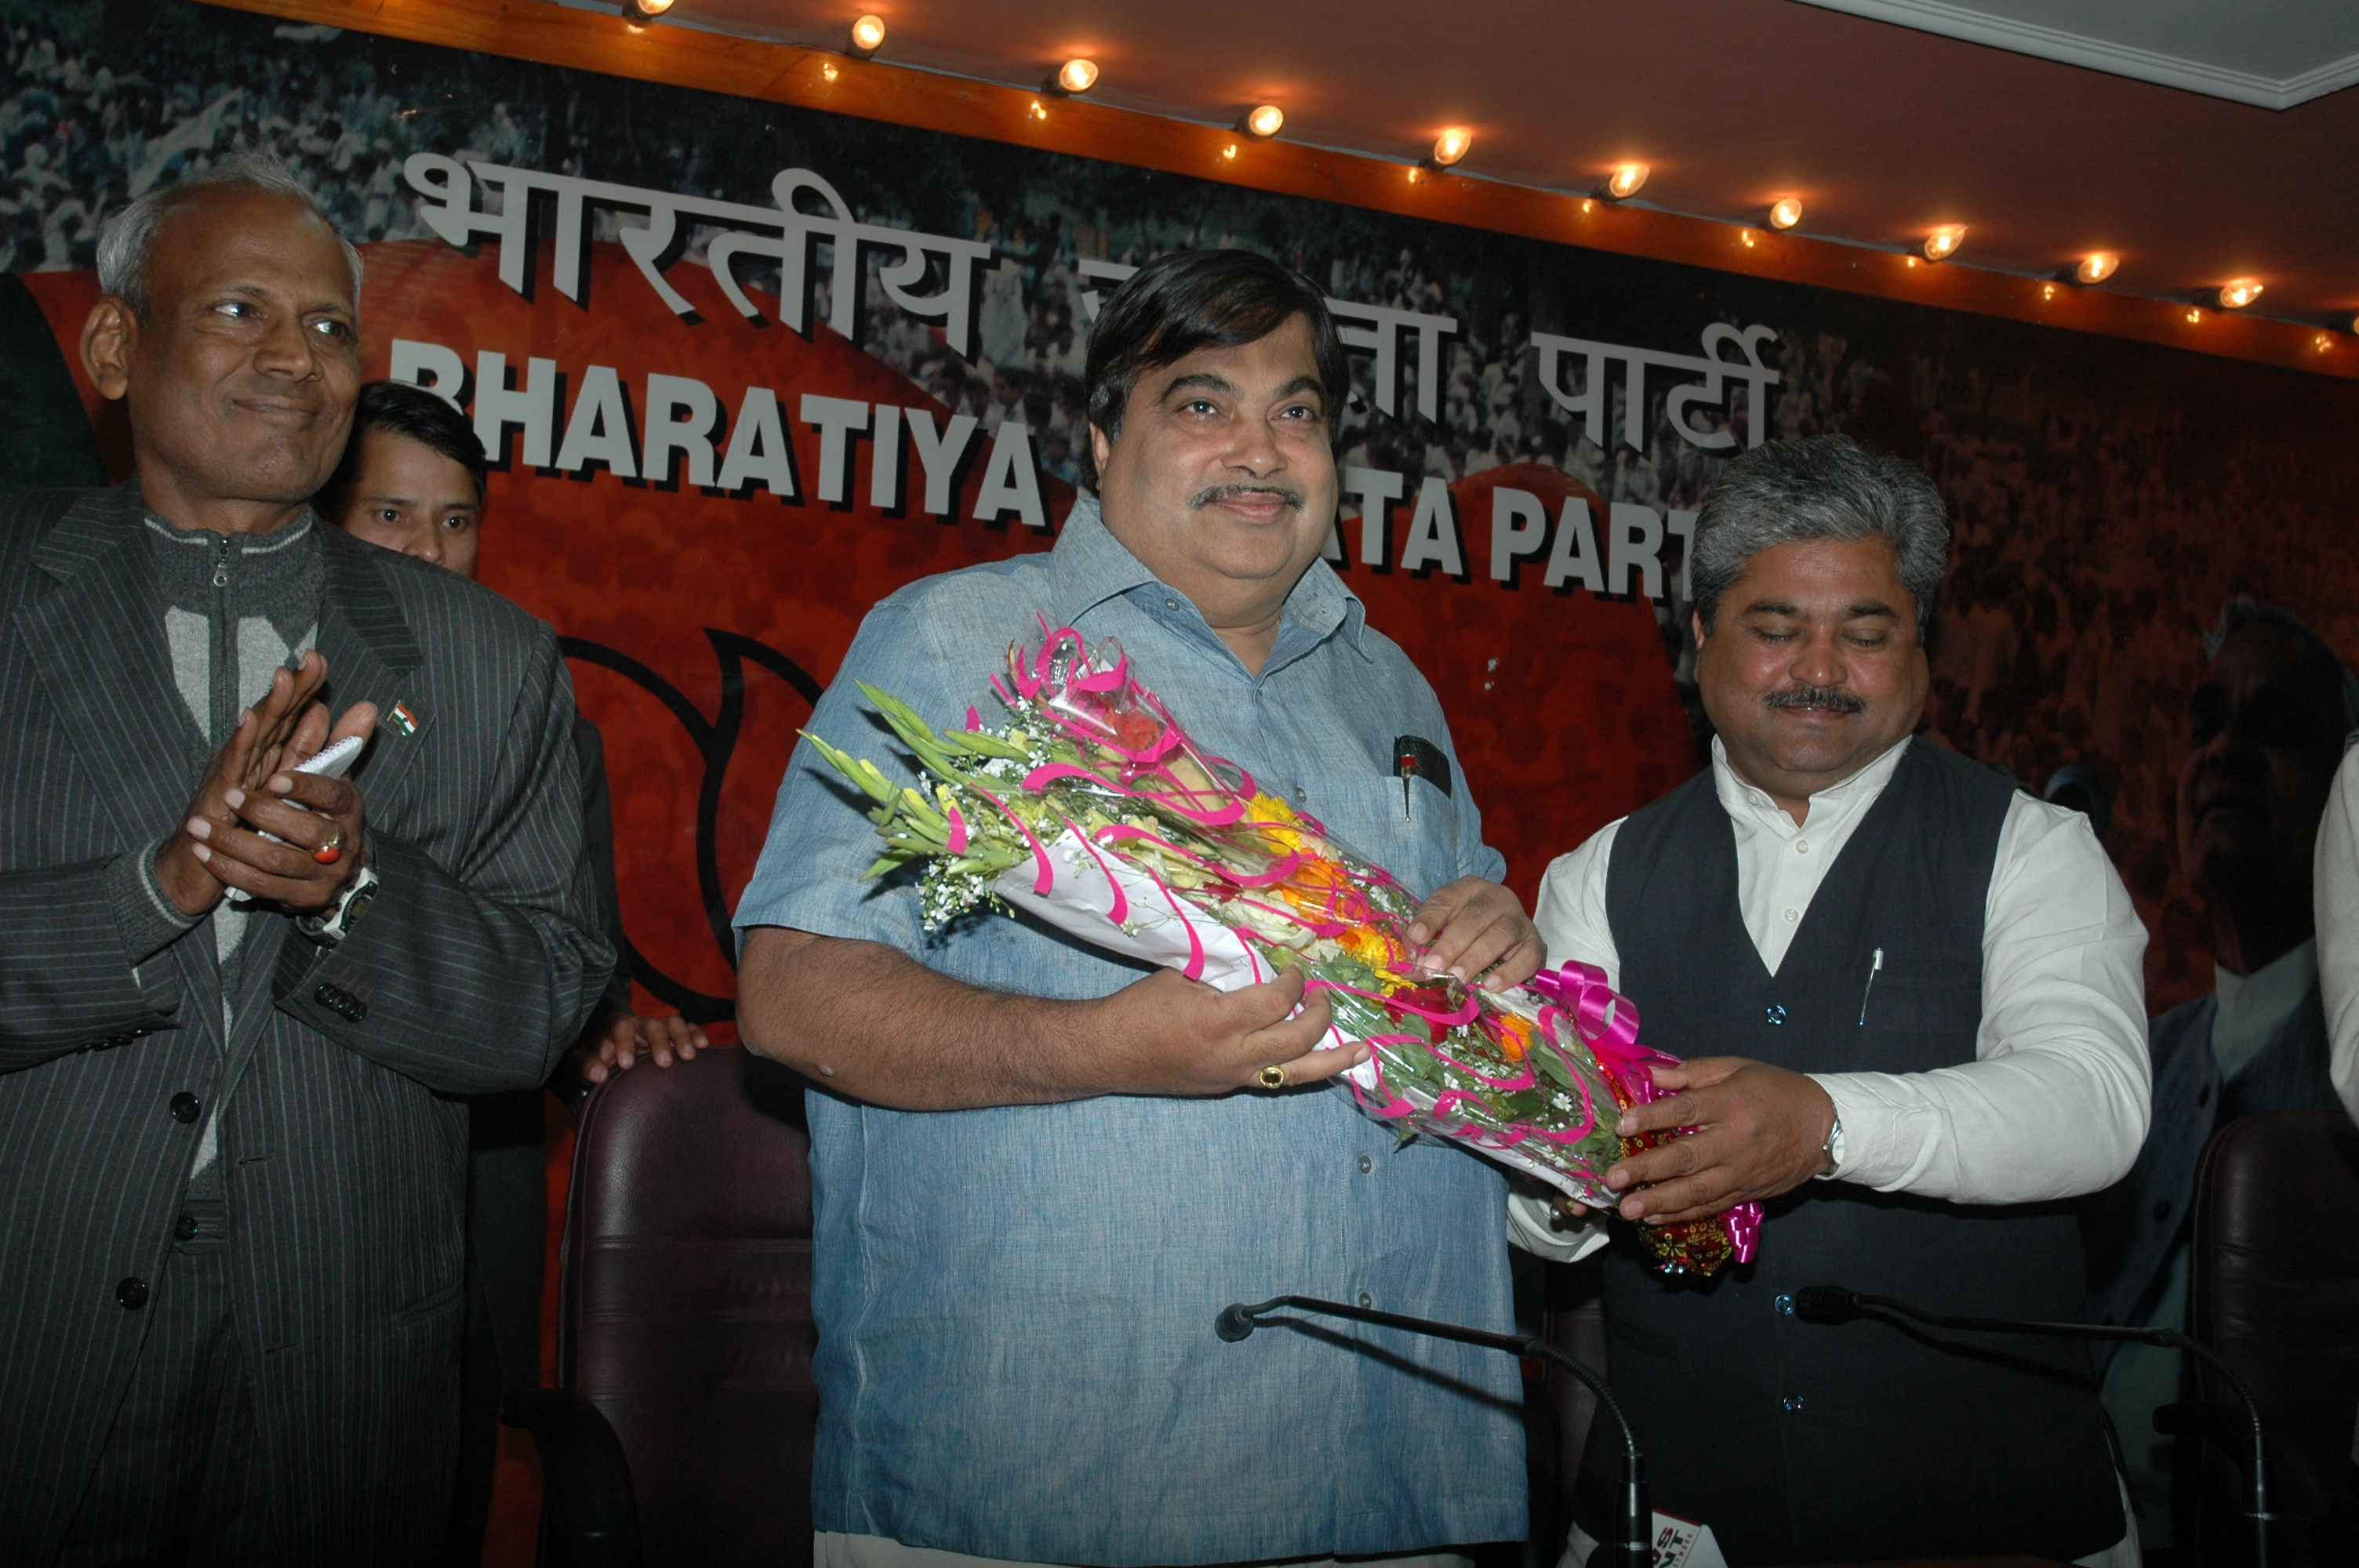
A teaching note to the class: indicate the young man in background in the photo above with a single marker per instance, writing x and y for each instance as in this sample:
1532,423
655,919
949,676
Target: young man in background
412,481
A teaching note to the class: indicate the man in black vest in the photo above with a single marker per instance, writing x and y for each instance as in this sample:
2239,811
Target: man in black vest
1911,1003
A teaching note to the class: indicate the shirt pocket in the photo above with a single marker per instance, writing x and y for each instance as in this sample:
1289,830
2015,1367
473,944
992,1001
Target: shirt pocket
1420,847
1926,1006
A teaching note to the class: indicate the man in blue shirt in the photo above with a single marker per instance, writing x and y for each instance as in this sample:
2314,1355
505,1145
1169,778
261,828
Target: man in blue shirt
1039,1172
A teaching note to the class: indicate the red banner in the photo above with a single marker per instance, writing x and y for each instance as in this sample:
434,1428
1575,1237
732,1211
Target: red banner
707,580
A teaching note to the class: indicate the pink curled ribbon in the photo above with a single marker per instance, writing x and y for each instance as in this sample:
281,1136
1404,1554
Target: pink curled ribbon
1608,1022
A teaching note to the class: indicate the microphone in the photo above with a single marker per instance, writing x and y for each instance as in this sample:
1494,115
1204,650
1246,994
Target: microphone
1834,1304
1634,1524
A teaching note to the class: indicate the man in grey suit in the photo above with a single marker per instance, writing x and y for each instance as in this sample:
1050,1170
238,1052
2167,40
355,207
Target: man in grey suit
235,999
2267,723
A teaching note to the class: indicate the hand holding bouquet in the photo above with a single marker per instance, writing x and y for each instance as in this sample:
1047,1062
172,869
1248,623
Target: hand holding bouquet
1093,809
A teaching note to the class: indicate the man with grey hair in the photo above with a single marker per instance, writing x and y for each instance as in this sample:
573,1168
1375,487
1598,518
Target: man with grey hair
238,1000
1910,1002
2267,724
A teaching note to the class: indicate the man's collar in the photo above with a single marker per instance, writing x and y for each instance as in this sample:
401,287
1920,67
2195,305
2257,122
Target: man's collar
1869,780
100,520
1090,566
97,521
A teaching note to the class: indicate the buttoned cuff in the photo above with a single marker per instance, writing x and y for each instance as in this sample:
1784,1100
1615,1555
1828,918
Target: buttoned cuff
1530,1226
147,921
1882,1141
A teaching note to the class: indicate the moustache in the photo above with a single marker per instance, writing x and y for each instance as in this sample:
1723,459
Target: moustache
1221,492
1825,697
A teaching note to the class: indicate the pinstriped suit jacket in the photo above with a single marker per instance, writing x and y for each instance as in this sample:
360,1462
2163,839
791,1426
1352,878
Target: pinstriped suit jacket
344,1159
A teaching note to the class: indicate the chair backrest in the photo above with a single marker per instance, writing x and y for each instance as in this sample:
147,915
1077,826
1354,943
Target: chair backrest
685,1311
2276,1290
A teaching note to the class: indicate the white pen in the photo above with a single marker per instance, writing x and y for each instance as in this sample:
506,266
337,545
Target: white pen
1873,968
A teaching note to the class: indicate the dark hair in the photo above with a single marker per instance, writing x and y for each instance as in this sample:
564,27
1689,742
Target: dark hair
423,416
1189,301
1819,487
2244,610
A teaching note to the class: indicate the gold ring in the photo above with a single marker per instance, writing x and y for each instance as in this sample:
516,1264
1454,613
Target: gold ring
1272,1077
328,853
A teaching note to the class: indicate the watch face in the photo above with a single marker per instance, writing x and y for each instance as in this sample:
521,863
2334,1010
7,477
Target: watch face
359,902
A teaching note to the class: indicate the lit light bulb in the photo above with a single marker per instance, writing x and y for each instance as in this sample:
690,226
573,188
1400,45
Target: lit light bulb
1078,75
2355,326
1452,145
1626,179
1265,121
2097,266
2237,293
1943,242
868,35
1786,213
648,8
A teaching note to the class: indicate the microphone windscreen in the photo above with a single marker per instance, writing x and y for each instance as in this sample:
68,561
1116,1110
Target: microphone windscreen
1826,1304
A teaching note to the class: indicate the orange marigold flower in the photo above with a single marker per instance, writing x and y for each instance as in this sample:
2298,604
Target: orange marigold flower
1379,949
1513,1034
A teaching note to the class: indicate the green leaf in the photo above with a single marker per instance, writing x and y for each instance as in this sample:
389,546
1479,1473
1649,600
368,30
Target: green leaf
891,860
984,745
862,772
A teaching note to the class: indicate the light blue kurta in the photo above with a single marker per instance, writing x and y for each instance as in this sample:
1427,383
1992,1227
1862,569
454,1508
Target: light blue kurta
1016,1357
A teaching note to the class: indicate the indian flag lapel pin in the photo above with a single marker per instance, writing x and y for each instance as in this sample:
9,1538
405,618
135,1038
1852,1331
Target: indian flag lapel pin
401,719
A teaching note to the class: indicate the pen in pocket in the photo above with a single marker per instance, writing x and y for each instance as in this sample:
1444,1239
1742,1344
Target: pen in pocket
1874,968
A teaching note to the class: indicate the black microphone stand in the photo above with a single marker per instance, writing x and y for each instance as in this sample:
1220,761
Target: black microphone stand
1834,1304
1634,1526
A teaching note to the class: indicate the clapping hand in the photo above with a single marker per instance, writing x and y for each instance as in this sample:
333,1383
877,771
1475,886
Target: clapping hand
250,788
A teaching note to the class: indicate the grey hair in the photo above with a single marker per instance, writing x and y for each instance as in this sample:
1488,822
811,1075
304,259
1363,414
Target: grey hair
1821,487
127,239
2244,610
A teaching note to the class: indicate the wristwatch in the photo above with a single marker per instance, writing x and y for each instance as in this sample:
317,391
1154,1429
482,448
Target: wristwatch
331,924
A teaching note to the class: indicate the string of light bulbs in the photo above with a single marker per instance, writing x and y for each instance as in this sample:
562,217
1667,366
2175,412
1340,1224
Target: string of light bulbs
1264,120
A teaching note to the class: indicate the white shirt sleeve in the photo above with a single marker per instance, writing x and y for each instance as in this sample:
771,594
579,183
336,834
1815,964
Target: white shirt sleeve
1571,915
1571,910
2057,1100
2337,882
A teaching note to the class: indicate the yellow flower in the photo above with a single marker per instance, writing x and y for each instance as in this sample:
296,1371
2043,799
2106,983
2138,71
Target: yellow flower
1378,950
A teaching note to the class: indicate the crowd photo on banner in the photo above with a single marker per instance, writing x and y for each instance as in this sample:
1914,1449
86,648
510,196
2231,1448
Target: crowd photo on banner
873,848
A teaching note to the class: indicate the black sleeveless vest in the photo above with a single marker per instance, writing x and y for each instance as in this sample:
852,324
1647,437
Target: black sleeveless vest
1799,1442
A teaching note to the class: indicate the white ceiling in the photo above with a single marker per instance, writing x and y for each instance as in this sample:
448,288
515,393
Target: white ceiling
2272,53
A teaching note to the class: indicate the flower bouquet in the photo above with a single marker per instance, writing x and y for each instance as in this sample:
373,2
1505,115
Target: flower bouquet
1092,808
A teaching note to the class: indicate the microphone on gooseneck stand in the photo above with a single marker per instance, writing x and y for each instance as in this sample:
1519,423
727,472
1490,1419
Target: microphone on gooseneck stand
1834,1303
1634,1524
